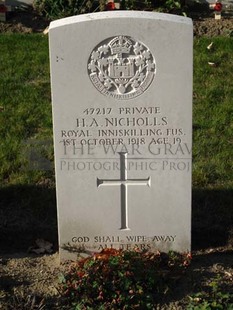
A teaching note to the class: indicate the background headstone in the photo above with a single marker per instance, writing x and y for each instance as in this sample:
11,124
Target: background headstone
122,112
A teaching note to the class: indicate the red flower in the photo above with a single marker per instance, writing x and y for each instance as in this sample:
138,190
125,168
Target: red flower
218,7
106,253
3,8
110,6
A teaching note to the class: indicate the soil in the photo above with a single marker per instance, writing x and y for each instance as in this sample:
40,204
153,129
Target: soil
209,27
30,22
29,277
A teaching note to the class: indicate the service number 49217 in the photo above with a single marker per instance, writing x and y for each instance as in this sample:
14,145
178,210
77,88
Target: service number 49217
97,111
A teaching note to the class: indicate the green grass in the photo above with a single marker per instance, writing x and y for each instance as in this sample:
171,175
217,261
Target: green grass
25,115
25,103
213,114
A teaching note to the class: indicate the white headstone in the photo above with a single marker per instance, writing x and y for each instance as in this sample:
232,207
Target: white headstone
122,112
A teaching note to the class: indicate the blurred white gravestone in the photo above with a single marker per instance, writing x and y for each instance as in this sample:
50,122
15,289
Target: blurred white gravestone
122,113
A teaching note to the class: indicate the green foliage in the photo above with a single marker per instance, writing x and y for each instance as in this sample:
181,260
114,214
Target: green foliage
215,298
172,6
116,279
55,9
136,5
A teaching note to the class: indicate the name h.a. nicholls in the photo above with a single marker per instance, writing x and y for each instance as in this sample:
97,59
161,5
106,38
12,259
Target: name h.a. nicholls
122,121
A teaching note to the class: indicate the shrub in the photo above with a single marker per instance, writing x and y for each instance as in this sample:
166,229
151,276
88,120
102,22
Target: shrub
173,6
116,279
55,9
137,5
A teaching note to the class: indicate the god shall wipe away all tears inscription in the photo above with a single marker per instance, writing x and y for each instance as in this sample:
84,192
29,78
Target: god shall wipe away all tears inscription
122,131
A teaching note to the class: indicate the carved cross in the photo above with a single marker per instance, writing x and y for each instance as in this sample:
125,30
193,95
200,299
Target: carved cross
124,182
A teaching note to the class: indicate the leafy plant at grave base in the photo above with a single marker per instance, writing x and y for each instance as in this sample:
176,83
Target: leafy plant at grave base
117,279
216,298
55,9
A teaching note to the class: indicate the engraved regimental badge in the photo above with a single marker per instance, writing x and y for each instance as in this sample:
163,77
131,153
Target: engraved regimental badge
121,67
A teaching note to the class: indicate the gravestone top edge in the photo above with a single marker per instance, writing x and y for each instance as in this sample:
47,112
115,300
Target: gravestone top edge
120,14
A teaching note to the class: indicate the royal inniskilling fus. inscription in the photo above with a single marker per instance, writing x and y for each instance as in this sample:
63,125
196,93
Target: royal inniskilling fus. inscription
122,117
